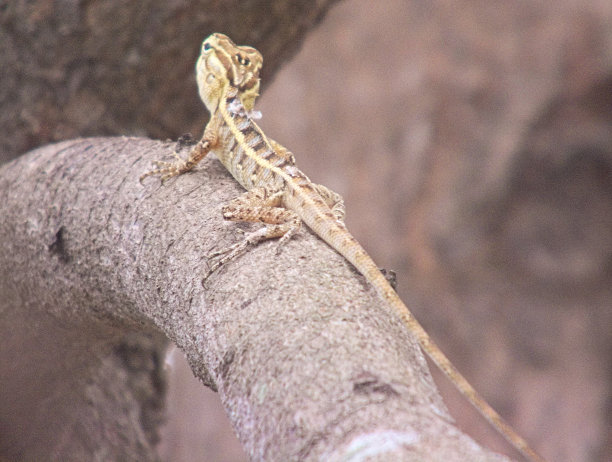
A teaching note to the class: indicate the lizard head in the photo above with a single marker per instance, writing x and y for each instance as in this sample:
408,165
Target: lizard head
223,63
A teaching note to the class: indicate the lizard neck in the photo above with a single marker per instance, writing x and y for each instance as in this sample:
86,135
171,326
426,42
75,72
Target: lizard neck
248,154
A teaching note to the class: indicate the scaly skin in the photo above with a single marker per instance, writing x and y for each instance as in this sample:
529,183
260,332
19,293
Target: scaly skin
281,196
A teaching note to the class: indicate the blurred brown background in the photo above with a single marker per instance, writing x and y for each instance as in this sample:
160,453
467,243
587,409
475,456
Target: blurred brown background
472,142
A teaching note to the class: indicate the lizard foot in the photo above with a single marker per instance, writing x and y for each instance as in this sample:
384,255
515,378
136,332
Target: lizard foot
221,257
167,169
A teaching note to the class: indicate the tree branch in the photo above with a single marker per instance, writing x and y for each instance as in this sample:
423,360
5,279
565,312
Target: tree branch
308,363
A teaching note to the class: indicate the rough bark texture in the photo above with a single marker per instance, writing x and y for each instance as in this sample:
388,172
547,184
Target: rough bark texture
307,362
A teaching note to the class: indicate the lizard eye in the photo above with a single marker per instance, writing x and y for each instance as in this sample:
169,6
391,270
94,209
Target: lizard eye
206,46
243,61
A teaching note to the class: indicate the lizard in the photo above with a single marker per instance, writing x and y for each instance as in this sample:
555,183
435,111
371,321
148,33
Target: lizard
279,195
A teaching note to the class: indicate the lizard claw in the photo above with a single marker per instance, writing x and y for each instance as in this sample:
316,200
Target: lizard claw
221,257
167,170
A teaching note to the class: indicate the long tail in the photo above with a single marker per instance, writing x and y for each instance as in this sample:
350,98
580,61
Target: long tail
340,239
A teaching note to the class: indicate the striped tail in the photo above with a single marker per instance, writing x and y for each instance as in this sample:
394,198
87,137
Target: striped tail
338,237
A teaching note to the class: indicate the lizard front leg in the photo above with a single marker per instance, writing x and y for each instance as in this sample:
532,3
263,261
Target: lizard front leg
198,152
257,205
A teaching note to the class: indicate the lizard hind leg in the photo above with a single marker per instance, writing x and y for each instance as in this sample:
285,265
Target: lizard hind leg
257,205
333,200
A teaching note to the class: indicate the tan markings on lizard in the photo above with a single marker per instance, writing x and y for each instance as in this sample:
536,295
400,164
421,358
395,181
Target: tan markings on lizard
281,196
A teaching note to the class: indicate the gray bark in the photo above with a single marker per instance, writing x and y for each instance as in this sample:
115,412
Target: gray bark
308,362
